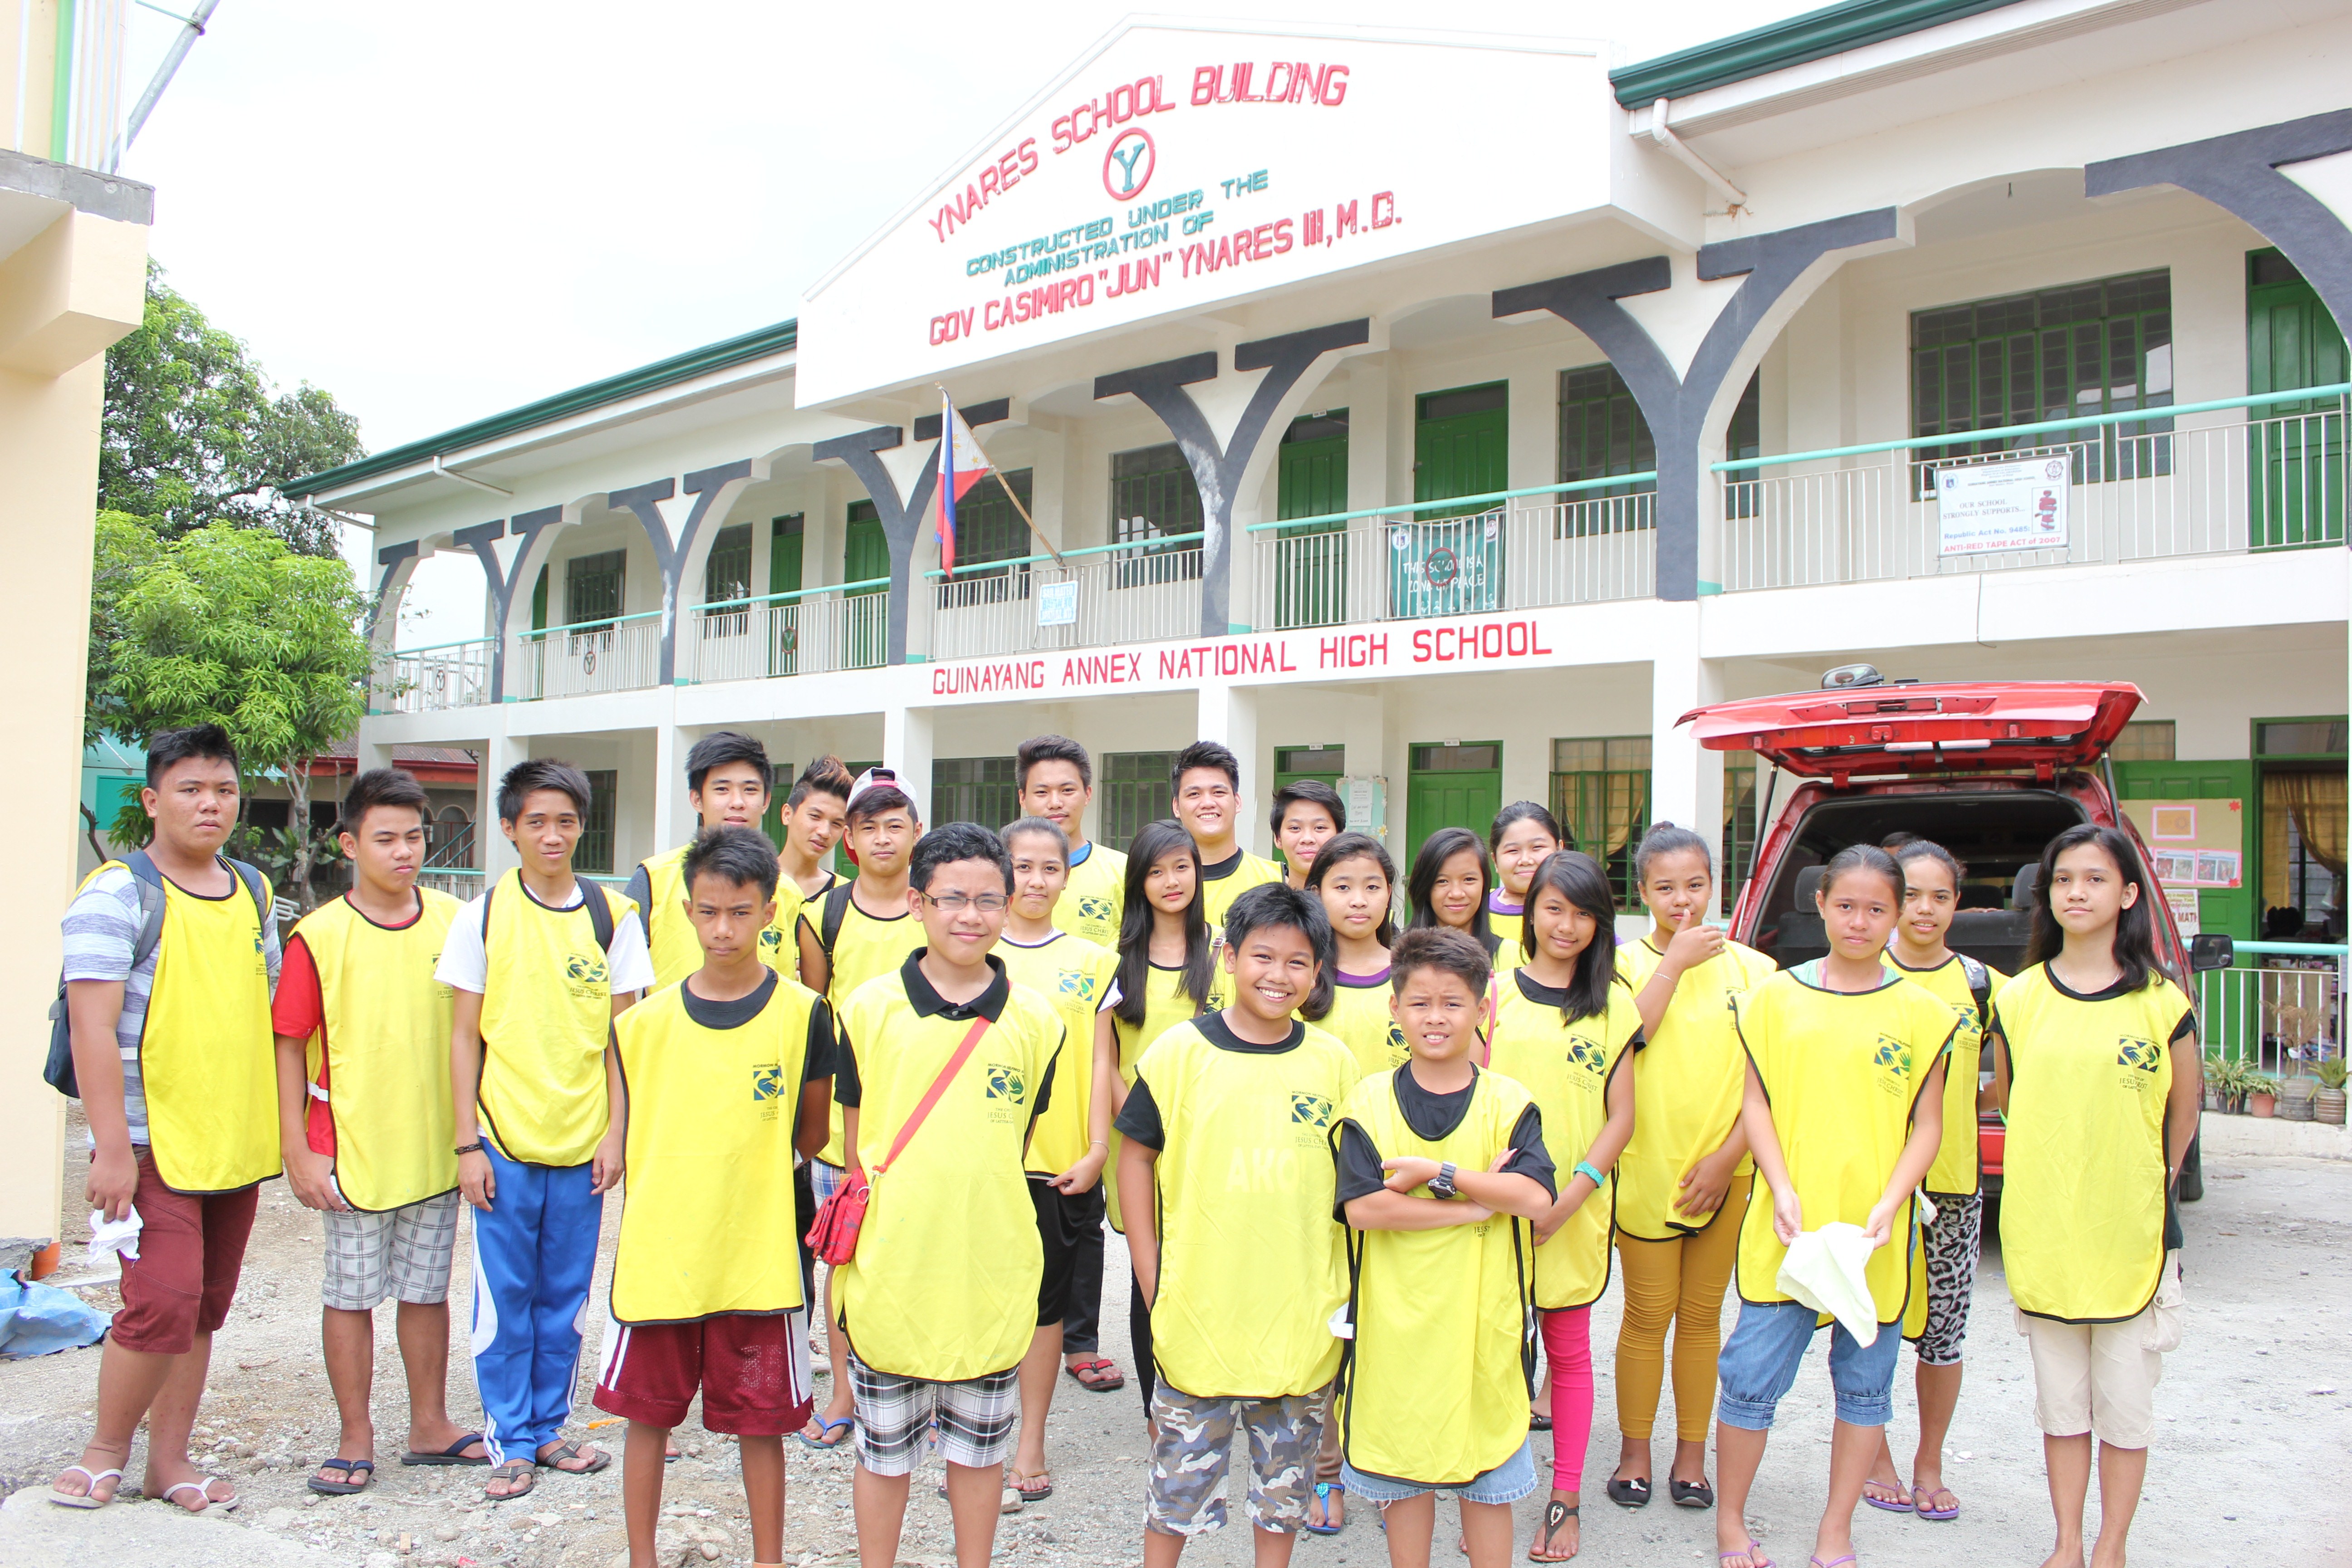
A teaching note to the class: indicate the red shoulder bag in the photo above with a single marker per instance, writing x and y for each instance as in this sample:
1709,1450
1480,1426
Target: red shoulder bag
833,1236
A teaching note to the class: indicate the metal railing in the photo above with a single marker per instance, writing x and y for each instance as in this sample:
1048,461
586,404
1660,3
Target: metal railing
1094,598
620,655
810,631
429,679
2139,485
2280,1010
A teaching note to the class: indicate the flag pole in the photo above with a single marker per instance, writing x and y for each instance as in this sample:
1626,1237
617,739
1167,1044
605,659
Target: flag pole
946,435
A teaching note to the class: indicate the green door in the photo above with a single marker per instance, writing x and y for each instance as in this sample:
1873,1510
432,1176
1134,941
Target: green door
1449,561
2296,466
864,558
1310,565
2229,910
1450,786
1325,765
785,538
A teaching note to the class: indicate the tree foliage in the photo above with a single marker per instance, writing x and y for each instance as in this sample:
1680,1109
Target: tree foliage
194,434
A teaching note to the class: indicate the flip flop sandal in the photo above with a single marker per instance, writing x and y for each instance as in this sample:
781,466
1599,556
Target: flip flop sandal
824,1442
1832,1563
89,1499
1632,1492
203,1488
1556,1513
1538,1423
1924,1511
352,1482
1030,1494
1754,1552
455,1454
1106,1377
1903,1506
519,1475
1323,1491
553,1459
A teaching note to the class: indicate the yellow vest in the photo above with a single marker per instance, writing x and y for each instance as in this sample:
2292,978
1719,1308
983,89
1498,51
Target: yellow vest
1844,1073
1955,1173
206,1053
1686,1096
864,949
2083,1188
1569,1069
790,901
1435,1392
711,1117
1361,1018
944,1285
383,1050
677,951
1092,903
1217,896
547,1015
1251,1264
1073,975
1164,1006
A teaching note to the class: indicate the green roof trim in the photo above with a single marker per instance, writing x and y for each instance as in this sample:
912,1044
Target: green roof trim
1832,30
652,377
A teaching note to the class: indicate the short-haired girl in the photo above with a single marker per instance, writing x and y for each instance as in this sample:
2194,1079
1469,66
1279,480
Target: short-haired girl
2095,1062
1525,835
1356,882
1841,1053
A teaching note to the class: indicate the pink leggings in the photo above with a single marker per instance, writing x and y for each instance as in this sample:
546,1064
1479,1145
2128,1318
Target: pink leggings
1568,1345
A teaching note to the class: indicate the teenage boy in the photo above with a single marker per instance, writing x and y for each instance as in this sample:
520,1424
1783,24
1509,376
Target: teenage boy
1226,1183
940,1303
178,1081
1056,782
859,931
365,1123
729,1073
815,814
1072,1141
1306,815
542,963
727,778
1438,1163
1208,781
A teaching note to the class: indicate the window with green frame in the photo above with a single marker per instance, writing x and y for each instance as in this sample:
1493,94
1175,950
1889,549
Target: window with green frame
1600,793
974,789
1153,496
594,851
727,579
2144,740
1739,827
1602,432
593,587
988,529
2100,347
1134,788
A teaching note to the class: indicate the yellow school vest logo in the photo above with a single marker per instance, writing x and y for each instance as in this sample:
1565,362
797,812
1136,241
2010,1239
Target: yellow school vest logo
1310,1109
1077,982
2142,1057
1006,1084
584,970
1092,908
1892,1062
771,943
768,1084
1592,1058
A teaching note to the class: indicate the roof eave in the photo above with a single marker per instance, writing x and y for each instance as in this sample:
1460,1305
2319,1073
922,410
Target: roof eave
1793,41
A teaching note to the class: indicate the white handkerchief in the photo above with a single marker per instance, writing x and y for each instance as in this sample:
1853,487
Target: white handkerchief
114,1235
1824,1269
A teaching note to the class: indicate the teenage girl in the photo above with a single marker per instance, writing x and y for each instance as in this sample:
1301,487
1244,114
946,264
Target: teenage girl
2095,1062
1524,836
1448,889
1842,1106
1357,882
1568,1030
1944,1272
1684,1181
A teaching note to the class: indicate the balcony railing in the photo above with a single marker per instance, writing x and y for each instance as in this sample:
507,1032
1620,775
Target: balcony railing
2237,480
812,631
2282,1013
1094,598
427,680
584,660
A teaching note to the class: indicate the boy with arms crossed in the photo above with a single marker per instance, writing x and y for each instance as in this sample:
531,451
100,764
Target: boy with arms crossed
541,963
1208,780
940,1303
727,1073
1241,1277
365,1123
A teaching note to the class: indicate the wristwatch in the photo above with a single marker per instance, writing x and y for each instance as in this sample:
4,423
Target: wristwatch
1442,1183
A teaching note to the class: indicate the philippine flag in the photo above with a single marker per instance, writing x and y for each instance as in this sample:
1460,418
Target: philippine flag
961,465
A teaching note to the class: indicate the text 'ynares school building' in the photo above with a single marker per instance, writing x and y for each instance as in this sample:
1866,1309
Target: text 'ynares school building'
1446,415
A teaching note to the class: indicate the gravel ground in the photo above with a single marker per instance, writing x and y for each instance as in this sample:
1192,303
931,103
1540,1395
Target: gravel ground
2256,1411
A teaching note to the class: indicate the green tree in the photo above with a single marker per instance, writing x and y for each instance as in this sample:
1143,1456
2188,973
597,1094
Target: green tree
230,625
194,434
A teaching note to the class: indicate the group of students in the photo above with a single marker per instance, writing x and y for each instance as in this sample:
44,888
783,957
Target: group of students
1363,1171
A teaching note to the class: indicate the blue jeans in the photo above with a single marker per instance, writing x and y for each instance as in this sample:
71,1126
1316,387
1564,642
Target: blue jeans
534,1252
1760,1363
1508,1482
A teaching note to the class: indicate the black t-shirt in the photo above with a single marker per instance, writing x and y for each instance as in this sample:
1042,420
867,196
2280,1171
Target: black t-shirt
734,1014
927,1001
1139,1119
1432,1116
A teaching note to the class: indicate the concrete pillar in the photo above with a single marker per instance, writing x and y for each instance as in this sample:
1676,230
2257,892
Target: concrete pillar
1685,780
1229,715
673,818
1363,731
498,856
906,749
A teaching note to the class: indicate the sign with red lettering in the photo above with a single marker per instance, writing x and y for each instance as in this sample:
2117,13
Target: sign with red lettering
1176,166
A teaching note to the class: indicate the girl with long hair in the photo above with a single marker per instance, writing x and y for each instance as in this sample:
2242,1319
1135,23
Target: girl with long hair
1356,882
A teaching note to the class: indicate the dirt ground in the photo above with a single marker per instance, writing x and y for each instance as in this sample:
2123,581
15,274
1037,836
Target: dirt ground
2256,1413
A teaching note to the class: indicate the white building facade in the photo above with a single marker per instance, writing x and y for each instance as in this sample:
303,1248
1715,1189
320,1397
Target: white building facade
1453,456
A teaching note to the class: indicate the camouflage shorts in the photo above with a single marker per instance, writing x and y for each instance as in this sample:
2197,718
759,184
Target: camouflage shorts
1192,1446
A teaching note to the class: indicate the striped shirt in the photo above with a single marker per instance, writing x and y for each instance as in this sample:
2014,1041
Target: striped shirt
101,930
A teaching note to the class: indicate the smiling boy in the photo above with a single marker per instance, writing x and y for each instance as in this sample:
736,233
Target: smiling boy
1057,780
728,777
1208,801
1227,1193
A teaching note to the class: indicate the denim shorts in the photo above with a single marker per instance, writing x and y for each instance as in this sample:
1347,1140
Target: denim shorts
1508,1482
1760,1363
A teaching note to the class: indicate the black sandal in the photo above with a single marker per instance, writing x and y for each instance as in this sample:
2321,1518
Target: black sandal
1556,1513
1632,1492
1690,1494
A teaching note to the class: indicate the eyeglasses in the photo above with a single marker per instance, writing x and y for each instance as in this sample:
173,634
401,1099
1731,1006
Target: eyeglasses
956,903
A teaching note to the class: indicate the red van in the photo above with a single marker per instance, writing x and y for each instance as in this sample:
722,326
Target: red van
1990,770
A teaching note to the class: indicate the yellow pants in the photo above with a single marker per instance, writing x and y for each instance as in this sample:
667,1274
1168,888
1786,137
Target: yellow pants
1679,1282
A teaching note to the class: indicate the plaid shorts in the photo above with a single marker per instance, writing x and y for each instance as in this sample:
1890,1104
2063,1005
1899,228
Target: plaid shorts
403,1253
1192,1446
894,1413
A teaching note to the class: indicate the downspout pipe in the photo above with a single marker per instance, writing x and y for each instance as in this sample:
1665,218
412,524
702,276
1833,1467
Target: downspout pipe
192,27
1679,150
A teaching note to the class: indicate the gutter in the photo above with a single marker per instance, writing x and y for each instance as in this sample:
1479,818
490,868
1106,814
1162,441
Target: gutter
1677,149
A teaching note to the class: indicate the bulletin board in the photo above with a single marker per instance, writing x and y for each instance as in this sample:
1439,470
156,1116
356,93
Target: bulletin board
2192,843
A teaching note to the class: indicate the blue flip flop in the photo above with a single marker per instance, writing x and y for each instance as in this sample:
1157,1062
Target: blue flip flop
1323,1491
824,1442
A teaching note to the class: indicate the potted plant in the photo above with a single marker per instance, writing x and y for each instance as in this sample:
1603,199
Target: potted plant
2228,1076
2216,1077
2327,1105
2295,1098
2261,1094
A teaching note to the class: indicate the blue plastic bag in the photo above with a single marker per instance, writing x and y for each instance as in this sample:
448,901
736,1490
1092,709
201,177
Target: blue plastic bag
41,1320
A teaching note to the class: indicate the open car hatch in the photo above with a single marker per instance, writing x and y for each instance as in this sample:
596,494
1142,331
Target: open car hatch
1953,726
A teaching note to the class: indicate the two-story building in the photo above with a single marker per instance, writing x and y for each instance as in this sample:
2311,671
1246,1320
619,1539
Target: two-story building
1446,415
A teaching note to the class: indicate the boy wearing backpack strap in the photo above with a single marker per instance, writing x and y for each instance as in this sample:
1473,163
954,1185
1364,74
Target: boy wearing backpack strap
541,962
169,1025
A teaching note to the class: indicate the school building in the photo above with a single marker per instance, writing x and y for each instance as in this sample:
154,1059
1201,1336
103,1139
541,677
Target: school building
1446,415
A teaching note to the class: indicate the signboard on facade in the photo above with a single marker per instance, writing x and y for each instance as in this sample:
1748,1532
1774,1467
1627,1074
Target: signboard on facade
1453,567
1983,507
2192,843
1180,165
1058,604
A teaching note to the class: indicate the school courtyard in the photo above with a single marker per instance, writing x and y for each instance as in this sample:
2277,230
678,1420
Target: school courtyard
2256,1417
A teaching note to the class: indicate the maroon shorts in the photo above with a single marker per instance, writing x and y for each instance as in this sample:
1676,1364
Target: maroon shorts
753,1372
191,1249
